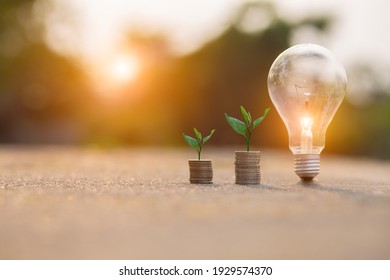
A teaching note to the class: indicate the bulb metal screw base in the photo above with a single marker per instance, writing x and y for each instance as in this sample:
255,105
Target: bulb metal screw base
307,166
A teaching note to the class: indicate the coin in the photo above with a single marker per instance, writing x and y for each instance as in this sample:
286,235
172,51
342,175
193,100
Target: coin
201,171
247,168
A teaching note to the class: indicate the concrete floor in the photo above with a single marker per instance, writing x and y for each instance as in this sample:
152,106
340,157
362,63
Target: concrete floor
73,203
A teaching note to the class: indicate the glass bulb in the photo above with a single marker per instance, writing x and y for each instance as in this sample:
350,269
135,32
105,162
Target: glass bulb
306,84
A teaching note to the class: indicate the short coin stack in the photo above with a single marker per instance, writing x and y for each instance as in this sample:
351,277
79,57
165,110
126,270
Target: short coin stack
201,171
247,168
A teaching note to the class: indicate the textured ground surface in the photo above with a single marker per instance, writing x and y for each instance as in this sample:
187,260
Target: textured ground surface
69,203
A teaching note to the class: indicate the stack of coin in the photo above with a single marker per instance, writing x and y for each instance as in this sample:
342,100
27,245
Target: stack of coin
201,171
247,168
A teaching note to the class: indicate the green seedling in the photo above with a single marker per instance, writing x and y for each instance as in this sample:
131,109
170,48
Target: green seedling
197,143
245,128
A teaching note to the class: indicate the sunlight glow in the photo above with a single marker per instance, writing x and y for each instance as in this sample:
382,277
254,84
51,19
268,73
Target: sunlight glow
76,27
124,69
87,28
111,75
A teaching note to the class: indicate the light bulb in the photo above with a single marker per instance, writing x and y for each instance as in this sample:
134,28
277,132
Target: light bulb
306,84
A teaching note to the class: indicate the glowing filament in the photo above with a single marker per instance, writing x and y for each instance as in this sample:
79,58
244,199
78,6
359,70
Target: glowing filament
306,135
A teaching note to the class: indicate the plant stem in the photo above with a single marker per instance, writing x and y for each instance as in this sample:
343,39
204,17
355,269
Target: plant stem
248,139
199,151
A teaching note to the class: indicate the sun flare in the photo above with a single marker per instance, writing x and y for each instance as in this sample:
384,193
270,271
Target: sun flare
124,69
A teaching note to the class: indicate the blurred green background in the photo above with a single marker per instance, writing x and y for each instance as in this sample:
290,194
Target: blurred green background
50,95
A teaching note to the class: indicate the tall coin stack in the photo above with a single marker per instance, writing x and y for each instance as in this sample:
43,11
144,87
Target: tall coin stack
201,171
247,168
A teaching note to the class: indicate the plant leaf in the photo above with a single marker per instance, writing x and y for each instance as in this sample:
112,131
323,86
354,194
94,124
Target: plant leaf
192,142
259,120
250,118
237,125
246,116
198,135
208,137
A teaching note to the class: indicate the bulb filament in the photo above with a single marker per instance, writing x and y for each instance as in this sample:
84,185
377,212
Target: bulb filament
306,135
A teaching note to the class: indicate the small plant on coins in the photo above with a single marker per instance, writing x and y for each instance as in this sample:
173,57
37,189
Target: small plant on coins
197,143
245,128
